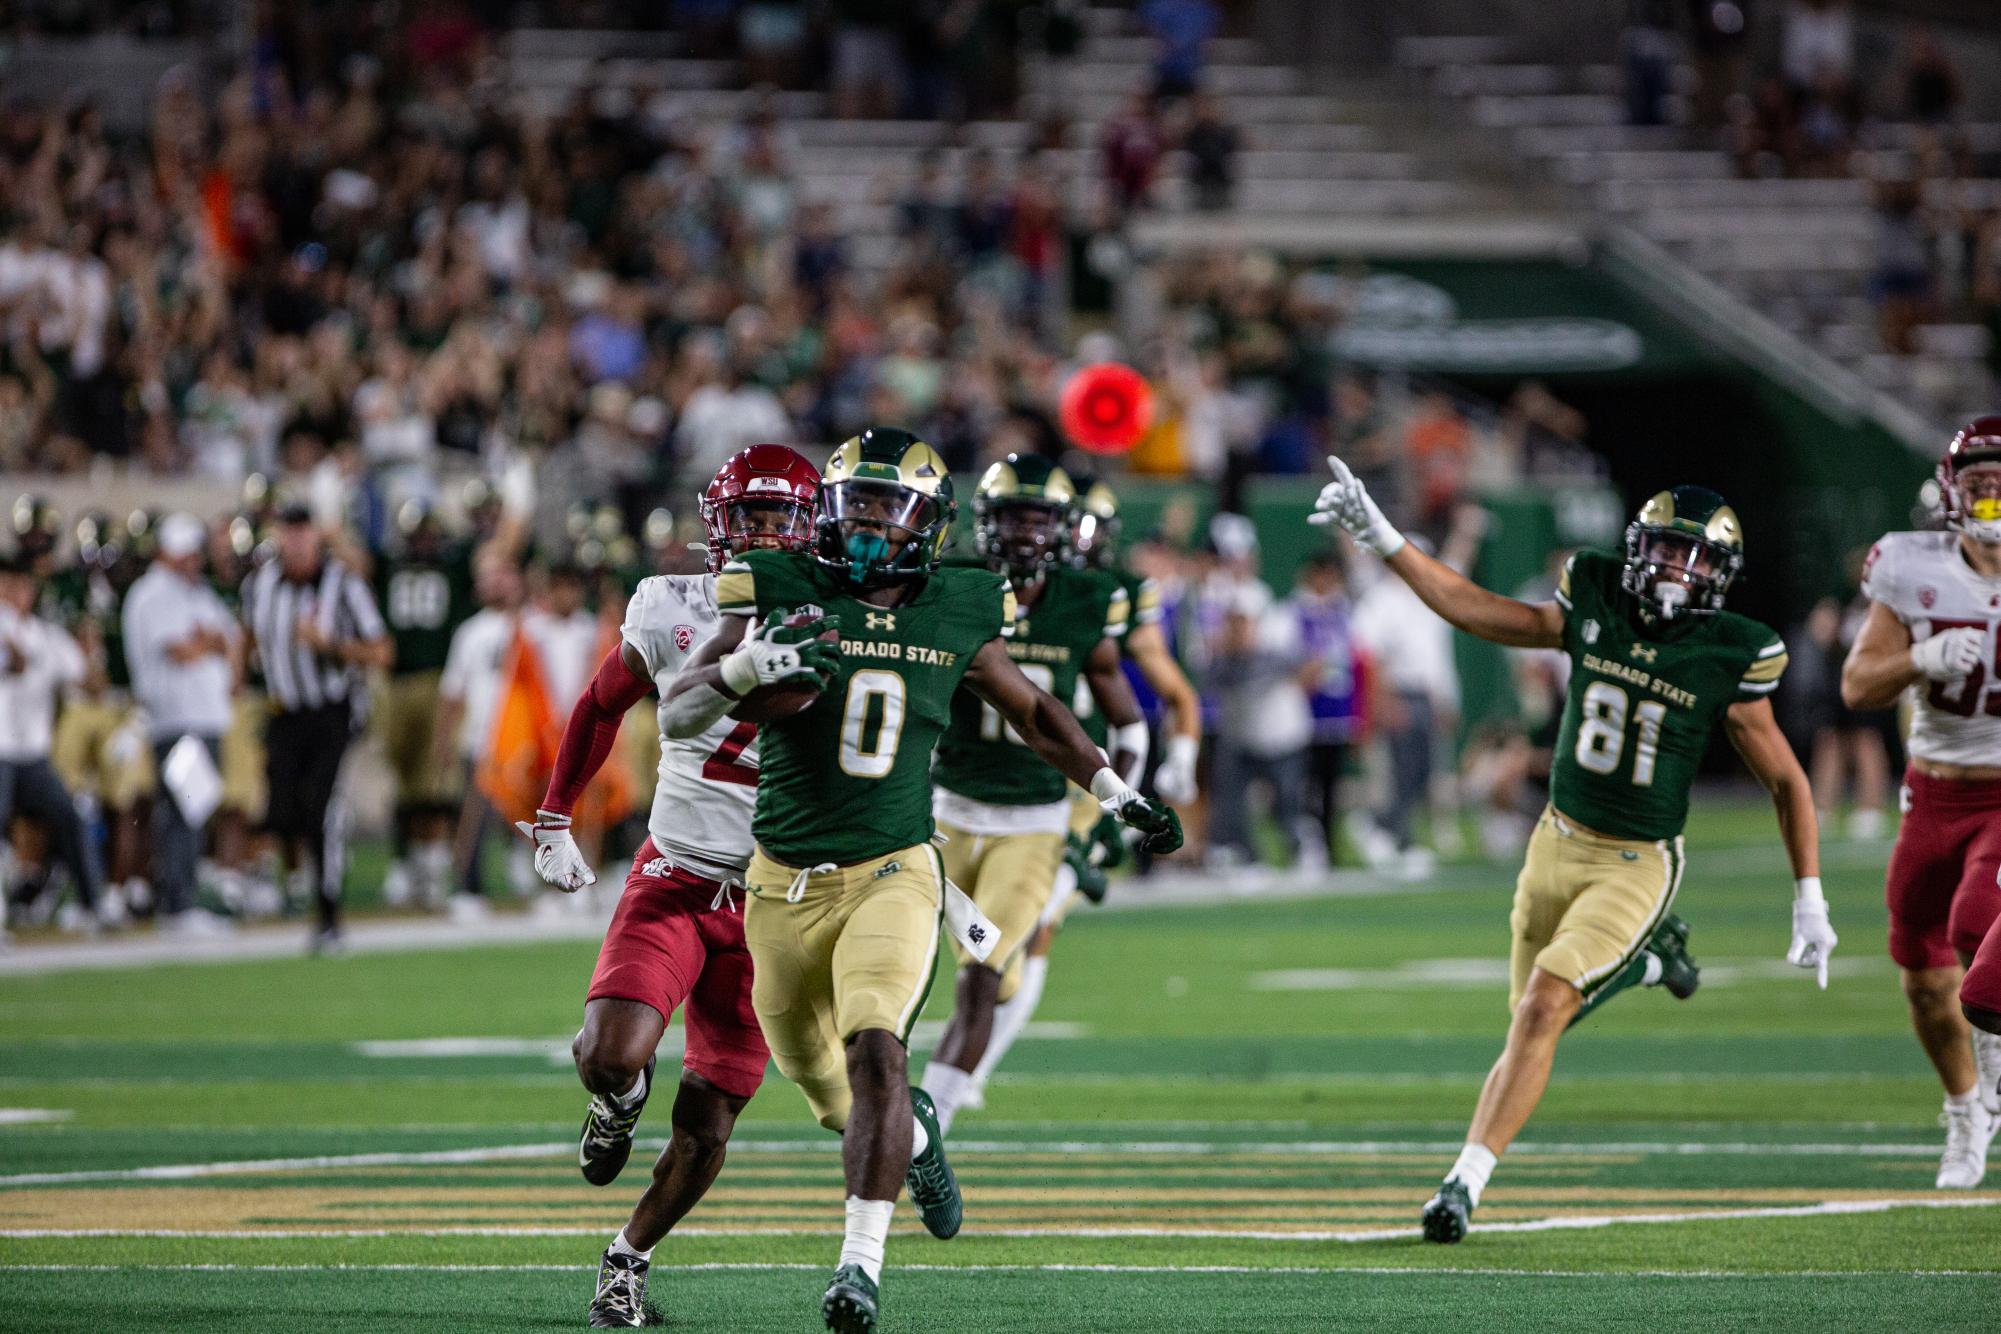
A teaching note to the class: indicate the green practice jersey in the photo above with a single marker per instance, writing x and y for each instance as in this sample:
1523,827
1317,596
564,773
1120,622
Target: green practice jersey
1643,698
981,757
1143,608
849,777
424,602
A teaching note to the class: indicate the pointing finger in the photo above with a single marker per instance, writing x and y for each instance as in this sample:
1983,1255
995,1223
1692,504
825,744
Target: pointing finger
1339,469
1823,970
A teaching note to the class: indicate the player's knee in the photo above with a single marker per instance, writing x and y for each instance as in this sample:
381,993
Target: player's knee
1931,990
604,1063
1544,1011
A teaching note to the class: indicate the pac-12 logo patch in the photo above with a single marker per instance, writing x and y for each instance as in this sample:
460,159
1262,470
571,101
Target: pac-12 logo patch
1927,595
684,637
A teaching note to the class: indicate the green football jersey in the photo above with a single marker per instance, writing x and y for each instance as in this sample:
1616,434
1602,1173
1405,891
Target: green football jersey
73,596
849,777
981,757
424,602
1643,699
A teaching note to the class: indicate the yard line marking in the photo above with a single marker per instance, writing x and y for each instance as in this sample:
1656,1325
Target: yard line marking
774,1266
1584,1222
31,1116
830,1145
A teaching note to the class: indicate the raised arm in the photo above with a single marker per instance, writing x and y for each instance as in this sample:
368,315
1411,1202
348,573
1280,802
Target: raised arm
1476,610
1055,735
1754,731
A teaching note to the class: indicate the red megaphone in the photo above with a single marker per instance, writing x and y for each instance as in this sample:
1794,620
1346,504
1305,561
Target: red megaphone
1106,407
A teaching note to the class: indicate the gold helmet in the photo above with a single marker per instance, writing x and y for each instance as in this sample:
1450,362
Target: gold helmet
885,508
1683,551
1021,515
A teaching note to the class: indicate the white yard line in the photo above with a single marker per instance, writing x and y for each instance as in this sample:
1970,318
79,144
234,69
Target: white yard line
829,1145
1562,1223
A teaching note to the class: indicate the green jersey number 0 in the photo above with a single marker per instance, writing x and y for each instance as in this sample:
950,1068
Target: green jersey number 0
871,752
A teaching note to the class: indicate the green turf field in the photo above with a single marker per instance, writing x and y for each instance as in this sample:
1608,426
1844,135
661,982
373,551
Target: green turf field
1227,1119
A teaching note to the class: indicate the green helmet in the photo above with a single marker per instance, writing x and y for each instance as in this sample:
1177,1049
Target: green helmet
1094,522
1021,516
885,508
1683,551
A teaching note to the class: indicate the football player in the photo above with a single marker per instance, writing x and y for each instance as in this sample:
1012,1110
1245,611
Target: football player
1094,531
425,589
1004,813
676,939
847,893
1934,606
1656,664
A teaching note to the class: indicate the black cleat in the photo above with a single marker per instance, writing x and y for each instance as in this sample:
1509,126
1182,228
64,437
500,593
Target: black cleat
606,1140
851,1301
1669,944
621,1299
1449,1214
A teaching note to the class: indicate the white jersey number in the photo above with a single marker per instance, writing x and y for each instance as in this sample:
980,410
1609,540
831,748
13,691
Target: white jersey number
1601,735
991,726
862,755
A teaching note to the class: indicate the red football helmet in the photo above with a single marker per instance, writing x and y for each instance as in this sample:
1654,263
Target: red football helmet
1970,505
763,496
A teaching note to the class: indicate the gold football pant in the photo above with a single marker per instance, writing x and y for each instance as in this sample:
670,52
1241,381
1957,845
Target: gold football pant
407,715
1585,903
99,749
854,950
244,764
1010,877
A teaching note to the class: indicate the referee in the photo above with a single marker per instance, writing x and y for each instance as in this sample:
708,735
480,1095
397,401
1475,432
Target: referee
315,627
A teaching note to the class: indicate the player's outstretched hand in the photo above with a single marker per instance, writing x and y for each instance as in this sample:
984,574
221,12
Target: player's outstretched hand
1950,654
1159,827
1345,501
558,860
1813,936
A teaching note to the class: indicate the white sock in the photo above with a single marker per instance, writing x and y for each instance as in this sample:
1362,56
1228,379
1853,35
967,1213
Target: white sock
1475,1164
1967,1099
1012,1015
620,1246
920,1139
1987,1060
633,1094
868,1229
1650,976
948,1086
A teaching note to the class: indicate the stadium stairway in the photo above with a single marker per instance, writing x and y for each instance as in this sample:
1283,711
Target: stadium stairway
1799,251
1362,154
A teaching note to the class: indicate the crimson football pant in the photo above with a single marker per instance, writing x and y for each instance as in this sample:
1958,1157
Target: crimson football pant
1980,994
1941,887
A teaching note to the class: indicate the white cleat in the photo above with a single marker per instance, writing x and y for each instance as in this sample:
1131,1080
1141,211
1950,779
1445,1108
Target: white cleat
1969,1129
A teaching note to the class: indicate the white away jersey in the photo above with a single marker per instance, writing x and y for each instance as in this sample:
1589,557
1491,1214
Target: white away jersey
1927,584
708,785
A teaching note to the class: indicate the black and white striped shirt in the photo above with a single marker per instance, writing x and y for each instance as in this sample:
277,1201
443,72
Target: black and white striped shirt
339,601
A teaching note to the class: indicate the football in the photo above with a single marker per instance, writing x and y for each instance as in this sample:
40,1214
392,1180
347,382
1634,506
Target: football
782,699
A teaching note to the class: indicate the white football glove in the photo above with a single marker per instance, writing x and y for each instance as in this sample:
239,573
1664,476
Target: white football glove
1174,780
558,860
1813,935
1949,654
1347,502
777,652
